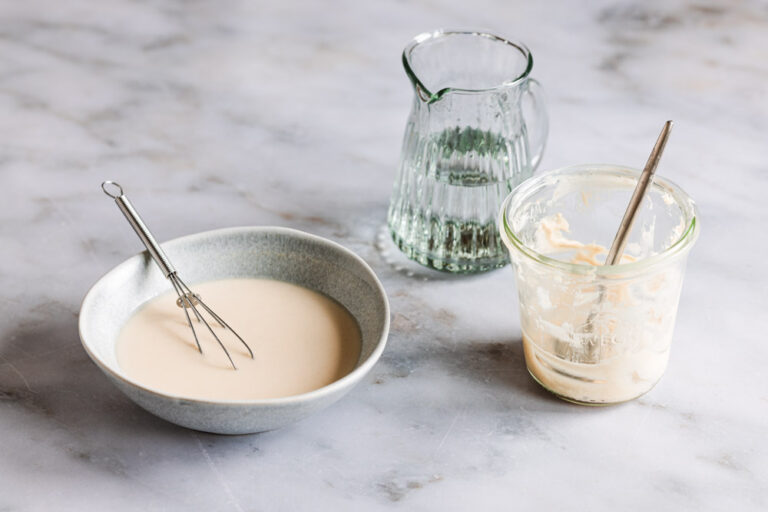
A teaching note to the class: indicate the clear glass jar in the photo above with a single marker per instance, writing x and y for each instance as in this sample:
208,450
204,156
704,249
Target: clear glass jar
596,334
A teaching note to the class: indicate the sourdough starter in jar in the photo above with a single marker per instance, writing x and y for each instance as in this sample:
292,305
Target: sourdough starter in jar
597,334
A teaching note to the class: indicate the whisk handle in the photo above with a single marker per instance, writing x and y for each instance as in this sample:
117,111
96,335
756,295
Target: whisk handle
141,229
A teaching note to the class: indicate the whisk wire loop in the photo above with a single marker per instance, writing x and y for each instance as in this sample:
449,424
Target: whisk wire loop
216,317
181,302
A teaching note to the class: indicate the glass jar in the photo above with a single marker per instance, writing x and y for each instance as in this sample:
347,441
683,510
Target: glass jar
596,334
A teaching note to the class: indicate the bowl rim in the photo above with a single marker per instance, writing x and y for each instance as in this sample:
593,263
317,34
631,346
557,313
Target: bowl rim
336,386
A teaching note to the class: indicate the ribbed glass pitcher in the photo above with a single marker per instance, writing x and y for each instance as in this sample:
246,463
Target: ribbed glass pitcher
477,128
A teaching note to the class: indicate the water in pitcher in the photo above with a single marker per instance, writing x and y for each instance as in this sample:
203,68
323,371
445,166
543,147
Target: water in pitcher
444,215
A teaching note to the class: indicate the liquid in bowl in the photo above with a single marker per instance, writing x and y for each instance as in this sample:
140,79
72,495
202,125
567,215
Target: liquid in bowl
302,341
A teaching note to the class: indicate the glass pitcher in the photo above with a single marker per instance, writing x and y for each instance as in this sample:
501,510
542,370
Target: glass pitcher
477,128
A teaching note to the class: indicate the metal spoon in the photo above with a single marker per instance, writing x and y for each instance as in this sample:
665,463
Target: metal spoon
620,241
592,352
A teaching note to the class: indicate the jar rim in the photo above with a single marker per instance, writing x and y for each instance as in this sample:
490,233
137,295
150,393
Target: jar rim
524,190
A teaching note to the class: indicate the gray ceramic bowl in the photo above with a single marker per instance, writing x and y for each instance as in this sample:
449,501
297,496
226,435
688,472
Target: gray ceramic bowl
279,253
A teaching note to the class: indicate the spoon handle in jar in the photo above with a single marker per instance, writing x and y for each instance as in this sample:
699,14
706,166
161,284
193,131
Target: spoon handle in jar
620,241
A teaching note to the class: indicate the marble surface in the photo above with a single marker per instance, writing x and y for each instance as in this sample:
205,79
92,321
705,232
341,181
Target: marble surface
227,113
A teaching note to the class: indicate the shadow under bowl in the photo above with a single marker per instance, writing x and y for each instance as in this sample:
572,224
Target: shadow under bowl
244,252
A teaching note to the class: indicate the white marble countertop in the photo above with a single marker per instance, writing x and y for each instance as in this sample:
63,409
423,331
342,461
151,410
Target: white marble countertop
230,113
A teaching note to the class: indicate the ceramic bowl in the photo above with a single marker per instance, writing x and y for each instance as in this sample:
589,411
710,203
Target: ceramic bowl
269,252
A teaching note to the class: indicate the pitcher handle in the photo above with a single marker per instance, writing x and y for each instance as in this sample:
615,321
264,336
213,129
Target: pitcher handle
537,136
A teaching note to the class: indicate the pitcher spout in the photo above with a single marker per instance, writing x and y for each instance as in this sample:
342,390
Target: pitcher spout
460,61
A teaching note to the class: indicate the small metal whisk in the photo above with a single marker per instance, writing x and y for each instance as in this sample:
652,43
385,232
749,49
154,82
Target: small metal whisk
187,298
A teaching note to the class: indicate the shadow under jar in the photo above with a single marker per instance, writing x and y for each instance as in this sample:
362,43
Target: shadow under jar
596,334
477,128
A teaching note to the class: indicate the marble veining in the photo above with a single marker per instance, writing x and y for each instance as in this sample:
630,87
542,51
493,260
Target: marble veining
217,114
